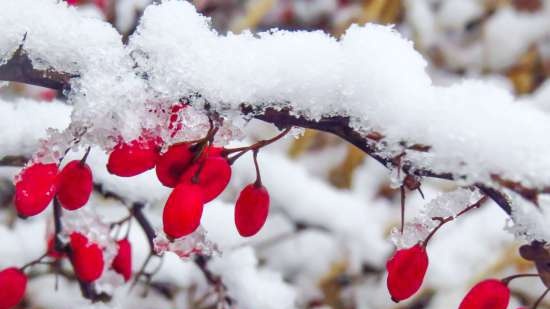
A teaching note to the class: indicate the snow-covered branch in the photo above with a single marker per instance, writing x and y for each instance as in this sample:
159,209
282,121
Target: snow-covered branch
382,102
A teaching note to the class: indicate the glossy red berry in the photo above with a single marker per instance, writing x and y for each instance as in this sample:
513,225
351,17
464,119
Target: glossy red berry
406,270
35,188
74,185
173,163
13,284
183,210
122,263
212,178
87,258
251,210
487,294
133,158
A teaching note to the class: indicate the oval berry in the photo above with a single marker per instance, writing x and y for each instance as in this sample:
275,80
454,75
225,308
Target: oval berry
172,164
74,185
487,294
87,258
35,188
406,270
13,284
122,263
212,178
183,210
251,210
133,158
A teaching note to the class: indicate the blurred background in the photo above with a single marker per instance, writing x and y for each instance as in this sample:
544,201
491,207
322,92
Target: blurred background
328,235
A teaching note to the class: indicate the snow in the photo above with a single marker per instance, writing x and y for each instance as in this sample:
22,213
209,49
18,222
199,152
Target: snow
250,286
21,134
372,74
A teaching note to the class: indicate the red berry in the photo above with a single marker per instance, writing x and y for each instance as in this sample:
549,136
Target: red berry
173,163
35,188
13,283
122,263
87,258
406,270
213,177
74,185
215,151
487,294
52,252
251,210
133,158
183,210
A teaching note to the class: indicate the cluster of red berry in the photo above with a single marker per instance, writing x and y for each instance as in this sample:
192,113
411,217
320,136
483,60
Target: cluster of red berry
198,173
86,258
38,183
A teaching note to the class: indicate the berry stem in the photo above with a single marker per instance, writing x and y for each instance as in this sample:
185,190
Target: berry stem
58,227
443,221
402,189
507,280
34,262
258,182
539,300
85,157
259,144
207,141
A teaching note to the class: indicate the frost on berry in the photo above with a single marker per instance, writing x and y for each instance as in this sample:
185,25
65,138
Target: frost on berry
173,163
86,257
13,284
35,187
487,294
75,185
133,158
122,263
188,246
406,270
183,210
251,209
211,174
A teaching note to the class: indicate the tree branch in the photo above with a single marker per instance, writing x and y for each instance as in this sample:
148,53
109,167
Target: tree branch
19,68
